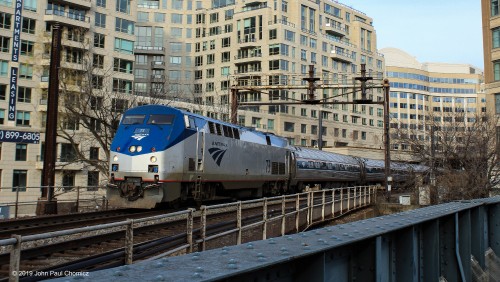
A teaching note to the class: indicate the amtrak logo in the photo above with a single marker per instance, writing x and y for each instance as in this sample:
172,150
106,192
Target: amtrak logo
217,154
139,137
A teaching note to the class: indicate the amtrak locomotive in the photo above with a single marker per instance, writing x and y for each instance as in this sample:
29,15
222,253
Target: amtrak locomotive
162,154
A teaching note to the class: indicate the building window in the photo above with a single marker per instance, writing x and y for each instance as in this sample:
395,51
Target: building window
314,129
68,180
29,25
68,152
494,8
4,44
210,59
125,26
175,60
19,180
270,124
122,85
303,128
177,4
123,6
71,123
27,48
497,103
99,40
92,180
97,81
210,73
26,71
24,95
124,46
98,61
121,65
94,153
176,32
226,42
496,70
23,118
176,18
21,152
496,37
5,20
119,105
289,126
30,5
100,20
2,116
159,17
101,3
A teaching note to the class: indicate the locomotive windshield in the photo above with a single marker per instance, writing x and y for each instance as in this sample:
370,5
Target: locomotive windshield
133,119
161,119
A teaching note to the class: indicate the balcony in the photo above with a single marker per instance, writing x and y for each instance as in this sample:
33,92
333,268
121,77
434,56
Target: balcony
152,50
248,41
240,59
82,4
335,29
72,65
342,56
157,77
69,19
158,64
254,5
248,70
82,44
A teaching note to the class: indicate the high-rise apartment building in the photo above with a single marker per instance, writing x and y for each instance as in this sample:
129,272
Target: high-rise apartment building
102,30
197,50
491,45
424,94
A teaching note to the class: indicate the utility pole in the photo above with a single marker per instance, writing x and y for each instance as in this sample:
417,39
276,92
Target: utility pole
49,157
387,141
320,131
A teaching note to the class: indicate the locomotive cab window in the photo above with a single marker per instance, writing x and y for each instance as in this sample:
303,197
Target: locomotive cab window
133,119
189,122
161,119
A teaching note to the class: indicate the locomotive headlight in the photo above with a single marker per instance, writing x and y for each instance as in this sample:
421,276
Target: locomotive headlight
131,149
139,148
153,159
115,158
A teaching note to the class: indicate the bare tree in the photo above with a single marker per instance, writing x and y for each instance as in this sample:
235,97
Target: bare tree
461,150
91,102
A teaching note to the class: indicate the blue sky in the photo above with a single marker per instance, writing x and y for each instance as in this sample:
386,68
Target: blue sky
432,31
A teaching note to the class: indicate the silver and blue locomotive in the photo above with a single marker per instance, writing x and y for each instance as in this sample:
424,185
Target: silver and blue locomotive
162,154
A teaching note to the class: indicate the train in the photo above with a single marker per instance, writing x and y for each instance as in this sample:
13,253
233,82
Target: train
161,154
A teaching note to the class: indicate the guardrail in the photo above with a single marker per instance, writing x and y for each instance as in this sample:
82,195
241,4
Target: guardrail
458,241
23,200
315,206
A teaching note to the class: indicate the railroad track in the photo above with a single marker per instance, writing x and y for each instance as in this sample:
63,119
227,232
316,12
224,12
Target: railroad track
105,250
42,224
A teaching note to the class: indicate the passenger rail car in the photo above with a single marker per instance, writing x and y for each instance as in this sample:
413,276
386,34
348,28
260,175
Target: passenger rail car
163,154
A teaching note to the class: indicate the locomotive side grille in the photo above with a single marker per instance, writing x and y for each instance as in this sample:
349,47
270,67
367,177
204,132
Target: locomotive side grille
191,165
274,168
278,168
281,168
